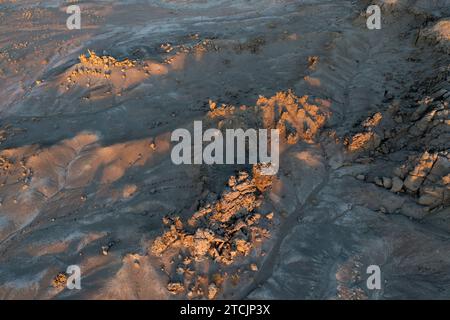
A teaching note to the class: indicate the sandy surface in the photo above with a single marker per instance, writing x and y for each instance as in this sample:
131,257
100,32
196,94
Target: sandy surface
86,175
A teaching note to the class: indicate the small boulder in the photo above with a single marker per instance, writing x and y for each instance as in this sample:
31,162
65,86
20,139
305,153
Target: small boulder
378,181
387,182
397,184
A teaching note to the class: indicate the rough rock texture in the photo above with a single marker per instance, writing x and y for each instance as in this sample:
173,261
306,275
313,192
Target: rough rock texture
220,231
86,176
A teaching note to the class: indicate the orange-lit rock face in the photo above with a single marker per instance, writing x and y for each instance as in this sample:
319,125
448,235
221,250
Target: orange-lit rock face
94,71
232,212
293,116
222,231
439,34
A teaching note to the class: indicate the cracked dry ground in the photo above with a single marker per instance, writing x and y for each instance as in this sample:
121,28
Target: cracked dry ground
86,175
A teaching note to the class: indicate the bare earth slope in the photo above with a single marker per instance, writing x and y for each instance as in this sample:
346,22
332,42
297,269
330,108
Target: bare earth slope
86,176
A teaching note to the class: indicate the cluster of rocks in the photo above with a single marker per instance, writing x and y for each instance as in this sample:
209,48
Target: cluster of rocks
426,177
8,131
98,66
438,35
94,70
253,45
368,139
5,164
416,128
60,280
16,170
105,62
295,117
220,231
223,229
196,45
232,226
